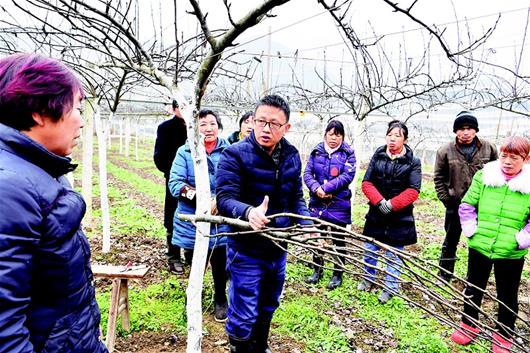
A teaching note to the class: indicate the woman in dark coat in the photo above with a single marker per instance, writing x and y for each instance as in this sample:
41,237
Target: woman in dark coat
47,296
328,175
392,183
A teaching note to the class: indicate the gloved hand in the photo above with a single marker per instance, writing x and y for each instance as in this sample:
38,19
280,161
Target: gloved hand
385,206
188,192
523,239
469,228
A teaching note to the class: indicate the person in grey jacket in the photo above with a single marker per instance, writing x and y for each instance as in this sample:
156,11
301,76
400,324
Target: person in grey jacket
456,164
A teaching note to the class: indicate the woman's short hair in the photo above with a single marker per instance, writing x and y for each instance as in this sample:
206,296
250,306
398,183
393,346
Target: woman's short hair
517,145
31,83
204,112
335,125
245,117
400,125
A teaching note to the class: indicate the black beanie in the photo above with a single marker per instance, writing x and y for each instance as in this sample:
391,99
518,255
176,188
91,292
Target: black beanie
465,118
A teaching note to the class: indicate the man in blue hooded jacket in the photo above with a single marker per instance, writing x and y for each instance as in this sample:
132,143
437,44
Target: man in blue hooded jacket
257,177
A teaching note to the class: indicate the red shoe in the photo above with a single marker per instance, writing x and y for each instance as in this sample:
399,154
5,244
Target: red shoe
465,334
500,344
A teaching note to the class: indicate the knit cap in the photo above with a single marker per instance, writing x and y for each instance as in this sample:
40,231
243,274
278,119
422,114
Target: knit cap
465,118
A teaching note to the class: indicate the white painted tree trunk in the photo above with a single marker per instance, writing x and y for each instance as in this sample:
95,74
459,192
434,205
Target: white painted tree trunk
137,136
196,280
109,131
88,151
127,136
103,192
121,136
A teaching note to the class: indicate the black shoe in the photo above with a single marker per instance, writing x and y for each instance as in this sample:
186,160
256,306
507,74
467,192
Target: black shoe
220,312
315,277
446,277
176,267
365,286
385,296
336,281
237,346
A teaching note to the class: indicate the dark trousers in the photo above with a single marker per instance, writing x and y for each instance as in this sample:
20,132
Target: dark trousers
173,251
170,205
254,293
217,258
340,260
453,230
507,279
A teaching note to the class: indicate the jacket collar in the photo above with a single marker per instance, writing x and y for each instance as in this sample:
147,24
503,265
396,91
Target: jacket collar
17,143
492,176
478,140
381,151
221,144
286,147
345,147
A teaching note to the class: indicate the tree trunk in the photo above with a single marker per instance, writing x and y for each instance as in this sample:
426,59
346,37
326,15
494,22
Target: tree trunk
121,135
137,136
127,136
103,192
196,280
88,151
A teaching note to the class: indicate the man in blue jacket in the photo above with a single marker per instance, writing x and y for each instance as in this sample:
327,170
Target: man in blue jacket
257,177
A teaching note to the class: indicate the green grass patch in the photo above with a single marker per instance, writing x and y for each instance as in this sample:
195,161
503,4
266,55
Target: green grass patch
148,187
427,191
146,165
303,319
126,217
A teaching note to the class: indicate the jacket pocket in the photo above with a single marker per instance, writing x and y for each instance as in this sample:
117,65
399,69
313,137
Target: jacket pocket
60,333
231,259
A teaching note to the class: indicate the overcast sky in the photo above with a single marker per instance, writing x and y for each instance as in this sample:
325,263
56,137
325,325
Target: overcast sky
303,25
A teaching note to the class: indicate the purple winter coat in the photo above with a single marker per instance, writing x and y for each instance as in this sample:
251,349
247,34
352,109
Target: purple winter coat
334,174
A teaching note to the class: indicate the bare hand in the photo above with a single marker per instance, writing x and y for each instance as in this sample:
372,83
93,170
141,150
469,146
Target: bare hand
256,216
213,209
320,193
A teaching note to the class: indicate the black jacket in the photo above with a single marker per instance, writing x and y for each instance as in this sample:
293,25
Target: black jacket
170,135
390,178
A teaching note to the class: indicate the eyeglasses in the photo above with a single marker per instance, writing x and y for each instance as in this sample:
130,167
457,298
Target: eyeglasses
273,125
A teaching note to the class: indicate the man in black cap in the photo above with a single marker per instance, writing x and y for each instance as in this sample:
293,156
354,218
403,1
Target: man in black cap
456,163
170,135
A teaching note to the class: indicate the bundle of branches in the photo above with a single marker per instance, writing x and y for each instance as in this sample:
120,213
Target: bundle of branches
422,286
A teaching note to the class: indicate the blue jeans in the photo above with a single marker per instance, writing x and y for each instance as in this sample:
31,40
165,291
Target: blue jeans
393,266
254,291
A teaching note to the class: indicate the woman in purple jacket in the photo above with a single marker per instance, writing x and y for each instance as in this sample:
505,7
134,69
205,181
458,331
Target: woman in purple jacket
328,175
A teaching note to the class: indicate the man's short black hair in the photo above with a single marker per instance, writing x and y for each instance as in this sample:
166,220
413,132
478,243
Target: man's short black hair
175,104
273,100
204,112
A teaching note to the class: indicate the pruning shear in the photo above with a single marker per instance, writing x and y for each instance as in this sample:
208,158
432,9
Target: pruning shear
130,267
